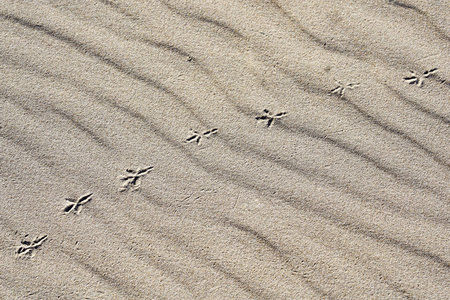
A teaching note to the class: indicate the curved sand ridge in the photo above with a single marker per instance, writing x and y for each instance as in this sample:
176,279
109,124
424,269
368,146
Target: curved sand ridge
233,149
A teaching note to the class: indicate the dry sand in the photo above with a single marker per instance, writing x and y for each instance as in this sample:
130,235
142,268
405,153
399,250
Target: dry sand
346,196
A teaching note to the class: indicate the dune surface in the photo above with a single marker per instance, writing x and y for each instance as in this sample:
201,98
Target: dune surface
224,149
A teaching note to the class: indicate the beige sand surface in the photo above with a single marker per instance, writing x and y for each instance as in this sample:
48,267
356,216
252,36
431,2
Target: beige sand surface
344,197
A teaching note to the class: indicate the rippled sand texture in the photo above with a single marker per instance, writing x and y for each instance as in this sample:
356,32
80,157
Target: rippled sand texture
344,197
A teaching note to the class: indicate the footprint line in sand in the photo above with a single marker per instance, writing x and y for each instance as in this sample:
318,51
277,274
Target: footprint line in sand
28,248
197,136
341,88
414,78
77,204
269,117
133,179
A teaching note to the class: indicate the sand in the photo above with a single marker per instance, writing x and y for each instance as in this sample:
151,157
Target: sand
326,175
